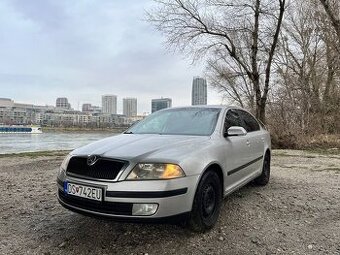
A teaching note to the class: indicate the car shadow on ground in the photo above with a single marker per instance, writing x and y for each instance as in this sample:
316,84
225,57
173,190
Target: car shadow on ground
74,232
71,231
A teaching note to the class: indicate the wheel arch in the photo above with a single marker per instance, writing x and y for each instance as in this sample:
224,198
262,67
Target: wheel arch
216,167
212,167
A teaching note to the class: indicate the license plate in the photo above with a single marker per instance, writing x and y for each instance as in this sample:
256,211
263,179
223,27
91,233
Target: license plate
83,191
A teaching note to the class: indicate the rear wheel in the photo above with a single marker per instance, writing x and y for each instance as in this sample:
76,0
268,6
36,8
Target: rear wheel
263,179
207,203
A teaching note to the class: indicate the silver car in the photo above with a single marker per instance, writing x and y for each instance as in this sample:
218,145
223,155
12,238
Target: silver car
176,164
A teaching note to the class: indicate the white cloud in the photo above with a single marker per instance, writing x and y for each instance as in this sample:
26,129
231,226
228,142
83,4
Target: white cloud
83,49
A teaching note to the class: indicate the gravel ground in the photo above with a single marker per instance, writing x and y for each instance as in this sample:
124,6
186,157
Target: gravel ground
298,212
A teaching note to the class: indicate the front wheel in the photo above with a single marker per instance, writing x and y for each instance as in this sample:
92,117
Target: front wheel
207,203
263,179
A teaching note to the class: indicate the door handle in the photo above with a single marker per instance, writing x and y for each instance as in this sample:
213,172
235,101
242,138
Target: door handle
248,143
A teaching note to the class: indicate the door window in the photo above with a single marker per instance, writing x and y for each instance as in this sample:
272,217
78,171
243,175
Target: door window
232,119
249,122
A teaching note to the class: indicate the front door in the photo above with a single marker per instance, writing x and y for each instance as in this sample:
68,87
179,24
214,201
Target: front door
237,152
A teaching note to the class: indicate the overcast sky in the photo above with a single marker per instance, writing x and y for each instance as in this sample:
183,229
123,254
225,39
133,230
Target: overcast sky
84,49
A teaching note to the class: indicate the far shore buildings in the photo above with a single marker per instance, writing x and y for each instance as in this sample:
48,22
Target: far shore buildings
199,91
17,113
12,113
161,103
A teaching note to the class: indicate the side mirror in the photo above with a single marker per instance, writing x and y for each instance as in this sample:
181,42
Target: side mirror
235,131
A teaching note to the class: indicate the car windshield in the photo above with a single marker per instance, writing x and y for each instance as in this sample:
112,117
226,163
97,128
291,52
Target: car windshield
178,121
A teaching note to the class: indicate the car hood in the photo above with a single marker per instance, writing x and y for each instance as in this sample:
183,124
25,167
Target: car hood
144,147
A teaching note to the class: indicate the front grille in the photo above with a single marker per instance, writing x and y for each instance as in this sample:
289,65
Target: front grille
106,169
115,208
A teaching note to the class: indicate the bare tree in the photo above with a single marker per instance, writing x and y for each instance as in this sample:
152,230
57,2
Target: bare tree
308,96
239,38
299,63
230,80
332,9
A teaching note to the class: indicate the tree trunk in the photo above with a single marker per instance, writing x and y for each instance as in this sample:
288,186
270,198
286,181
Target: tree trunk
261,110
263,99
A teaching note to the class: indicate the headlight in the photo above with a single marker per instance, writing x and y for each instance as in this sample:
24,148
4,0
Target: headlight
155,171
65,162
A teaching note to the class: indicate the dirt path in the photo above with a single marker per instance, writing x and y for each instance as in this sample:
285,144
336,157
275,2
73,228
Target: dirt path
297,213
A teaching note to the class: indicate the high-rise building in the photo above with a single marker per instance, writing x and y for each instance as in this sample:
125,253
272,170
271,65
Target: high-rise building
199,91
130,106
109,104
62,102
161,103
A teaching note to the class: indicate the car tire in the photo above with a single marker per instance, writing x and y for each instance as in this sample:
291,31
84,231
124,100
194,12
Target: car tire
263,179
207,203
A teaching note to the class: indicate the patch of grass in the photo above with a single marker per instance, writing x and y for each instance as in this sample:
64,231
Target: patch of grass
285,166
329,169
36,154
334,151
282,154
291,153
312,152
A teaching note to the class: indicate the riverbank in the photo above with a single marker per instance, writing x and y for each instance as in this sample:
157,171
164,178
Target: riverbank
36,154
296,213
85,130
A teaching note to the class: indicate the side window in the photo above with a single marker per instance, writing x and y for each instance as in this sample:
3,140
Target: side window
250,123
232,119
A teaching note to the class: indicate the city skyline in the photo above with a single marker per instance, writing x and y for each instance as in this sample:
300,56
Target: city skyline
62,49
119,101
97,101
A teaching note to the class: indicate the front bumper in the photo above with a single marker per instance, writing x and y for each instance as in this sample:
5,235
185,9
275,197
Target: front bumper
174,198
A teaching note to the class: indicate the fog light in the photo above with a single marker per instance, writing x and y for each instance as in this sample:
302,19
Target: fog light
144,209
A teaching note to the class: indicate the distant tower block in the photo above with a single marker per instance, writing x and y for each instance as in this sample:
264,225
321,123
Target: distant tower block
130,106
109,104
199,91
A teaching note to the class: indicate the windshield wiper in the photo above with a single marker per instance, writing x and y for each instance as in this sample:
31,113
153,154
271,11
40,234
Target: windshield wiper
128,132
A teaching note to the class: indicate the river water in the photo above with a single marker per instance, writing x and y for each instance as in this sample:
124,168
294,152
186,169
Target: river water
16,143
